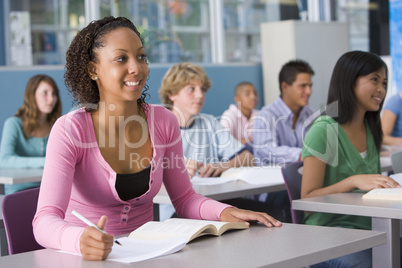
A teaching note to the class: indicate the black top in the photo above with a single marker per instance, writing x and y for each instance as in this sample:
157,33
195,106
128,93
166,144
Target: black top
129,186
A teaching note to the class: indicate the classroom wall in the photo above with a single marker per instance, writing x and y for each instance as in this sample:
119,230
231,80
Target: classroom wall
224,77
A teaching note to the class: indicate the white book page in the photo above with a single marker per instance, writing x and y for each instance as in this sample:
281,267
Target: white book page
387,193
384,193
196,180
397,177
196,224
262,175
135,250
169,228
250,175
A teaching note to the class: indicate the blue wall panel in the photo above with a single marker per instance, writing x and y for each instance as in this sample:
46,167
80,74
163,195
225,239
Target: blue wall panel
219,97
395,26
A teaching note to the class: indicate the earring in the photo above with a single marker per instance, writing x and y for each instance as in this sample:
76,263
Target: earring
95,78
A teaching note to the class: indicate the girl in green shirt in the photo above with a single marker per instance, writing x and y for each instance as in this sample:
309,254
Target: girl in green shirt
341,150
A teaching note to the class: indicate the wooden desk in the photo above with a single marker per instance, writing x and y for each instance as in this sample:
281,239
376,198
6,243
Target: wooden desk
15,176
289,246
385,217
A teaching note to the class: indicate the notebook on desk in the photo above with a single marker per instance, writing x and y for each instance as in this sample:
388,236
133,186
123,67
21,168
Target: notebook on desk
250,175
386,193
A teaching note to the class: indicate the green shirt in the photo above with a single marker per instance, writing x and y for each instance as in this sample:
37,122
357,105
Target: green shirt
327,141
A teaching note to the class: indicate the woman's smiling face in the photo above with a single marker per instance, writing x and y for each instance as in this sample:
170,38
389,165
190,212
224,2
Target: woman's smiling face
370,90
121,68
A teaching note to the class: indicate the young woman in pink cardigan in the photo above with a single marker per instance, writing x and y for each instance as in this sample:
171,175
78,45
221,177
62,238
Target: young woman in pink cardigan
108,159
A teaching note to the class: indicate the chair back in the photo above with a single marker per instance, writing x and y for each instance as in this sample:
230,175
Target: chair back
293,178
18,212
396,162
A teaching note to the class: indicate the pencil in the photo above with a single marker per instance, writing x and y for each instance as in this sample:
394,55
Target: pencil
89,223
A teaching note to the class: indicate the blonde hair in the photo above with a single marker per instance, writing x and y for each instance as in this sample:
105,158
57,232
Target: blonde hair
177,77
29,111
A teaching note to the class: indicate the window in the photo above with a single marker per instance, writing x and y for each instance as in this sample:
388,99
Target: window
53,24
173,30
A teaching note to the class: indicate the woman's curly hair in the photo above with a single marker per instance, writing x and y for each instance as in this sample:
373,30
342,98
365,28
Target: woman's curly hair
83,50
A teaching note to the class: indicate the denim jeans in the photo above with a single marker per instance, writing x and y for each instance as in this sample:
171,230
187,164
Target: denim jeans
361,259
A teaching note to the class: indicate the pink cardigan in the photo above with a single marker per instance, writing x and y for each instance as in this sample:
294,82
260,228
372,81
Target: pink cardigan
76,176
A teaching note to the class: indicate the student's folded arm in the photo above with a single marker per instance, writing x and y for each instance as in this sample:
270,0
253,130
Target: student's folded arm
271,153
313,180
8,149
265,147
244,158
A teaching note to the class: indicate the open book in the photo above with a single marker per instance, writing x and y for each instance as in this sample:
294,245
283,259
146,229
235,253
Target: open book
154,239
387,193
251,175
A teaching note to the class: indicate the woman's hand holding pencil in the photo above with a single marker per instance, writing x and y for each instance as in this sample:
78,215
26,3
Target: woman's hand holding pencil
95,243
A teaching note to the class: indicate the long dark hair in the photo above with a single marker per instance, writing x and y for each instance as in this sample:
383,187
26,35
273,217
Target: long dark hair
349,67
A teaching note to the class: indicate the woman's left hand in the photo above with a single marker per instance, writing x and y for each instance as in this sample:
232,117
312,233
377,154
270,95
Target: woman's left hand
232,214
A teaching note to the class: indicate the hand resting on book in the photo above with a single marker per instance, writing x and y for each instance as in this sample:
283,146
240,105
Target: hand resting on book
241,215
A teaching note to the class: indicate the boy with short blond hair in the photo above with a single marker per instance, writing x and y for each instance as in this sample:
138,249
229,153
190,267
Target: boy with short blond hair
208,148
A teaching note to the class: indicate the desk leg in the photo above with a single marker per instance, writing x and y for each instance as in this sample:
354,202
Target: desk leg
3,242
156,212
387,255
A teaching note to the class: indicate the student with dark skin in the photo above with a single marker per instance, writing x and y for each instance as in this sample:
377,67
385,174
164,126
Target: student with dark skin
90,150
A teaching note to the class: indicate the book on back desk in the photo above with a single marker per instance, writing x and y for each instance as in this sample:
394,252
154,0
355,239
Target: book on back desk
251,175
386,193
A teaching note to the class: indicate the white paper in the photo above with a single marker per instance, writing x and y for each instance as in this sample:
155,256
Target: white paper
196,180
135,250
397,177
250,175
384,194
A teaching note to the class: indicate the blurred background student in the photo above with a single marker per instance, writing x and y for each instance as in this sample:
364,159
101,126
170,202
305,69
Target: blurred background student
391,120
239,118
209,149
280,127
25,135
